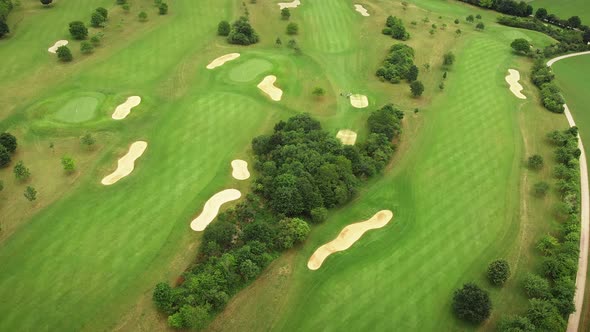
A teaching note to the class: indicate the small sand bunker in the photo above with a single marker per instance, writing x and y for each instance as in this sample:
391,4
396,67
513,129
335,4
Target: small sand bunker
347,137
359,101
124,109
212,206
53,49
222,60
292,4
126,164
268,87
512,79
347,237
362,10
240,169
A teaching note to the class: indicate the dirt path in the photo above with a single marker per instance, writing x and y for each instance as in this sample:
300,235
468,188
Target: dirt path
574,319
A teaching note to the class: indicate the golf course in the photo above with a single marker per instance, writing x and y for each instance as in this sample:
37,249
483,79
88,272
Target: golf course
290,166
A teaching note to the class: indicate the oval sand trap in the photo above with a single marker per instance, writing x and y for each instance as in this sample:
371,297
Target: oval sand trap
359,101
362,10
53,49
267,86
212,206
515,87
222,60
347,137
124,109
347,237
126,164
240,169
292,4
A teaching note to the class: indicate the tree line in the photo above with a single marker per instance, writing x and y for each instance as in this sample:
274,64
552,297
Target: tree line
509,7
304,171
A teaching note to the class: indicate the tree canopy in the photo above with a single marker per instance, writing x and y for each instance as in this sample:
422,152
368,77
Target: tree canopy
472,303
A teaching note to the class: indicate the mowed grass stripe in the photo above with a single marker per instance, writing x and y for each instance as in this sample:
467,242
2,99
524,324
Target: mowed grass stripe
331,23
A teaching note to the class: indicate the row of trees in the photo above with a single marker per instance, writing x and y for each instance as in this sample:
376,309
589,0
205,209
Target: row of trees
303,172
551,290
509,7
562,35
6,7
573,22
542,76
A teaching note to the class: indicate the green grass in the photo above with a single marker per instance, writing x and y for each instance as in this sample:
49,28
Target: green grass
80,109
564,9
97,251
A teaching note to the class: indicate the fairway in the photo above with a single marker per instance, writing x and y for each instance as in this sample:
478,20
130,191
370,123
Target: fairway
564,9
172,133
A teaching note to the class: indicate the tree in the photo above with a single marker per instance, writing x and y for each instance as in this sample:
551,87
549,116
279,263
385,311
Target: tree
21,172
515,324
536,287
535,162
8,141
97,20
318,91
285,13
319,214
86,47
96,39
545,316
87,140
541,13
46,2
78,30
470,19
142,16
540,188
102,11
291,232
162,297
223,28
163,8
4,29
64,54
445,75
574,22
521,45
68,164
30,193
441,86
547,244
395,28
416,88
248,270
478,17
292,28
456,21
498,272
458,32
4,157
278,42
448,59
472,303
242,33
480,26
413,73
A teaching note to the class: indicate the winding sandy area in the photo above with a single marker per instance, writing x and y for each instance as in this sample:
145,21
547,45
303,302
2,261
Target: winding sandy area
359,101
211,208
53,49
347,137
512,79
347,237
361,9
292,4
126,164
124,109
573,322
222,60
240,169
268,87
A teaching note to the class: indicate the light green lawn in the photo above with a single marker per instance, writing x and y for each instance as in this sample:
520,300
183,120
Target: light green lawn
564,9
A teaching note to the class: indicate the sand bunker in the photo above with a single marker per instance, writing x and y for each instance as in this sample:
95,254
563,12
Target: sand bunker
347,137
222,60
124,109
267,86
512,79
361,9
347,237
240,169
126,164
292,4
53,49
212,206
359,101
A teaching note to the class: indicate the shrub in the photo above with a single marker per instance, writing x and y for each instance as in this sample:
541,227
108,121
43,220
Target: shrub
535,162
30,194
292,28
78,30
515,324
545,316
68,164
21,172
448,59
223,28
498,272
86,47
547,244
319,214
540,189
142,16
536,286
472,303
416,88
163,8
285,13
64,54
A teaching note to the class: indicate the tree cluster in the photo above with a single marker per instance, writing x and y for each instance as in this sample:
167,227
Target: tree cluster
551,291
399,65
242,33
509,7
6,7
303,171
394,27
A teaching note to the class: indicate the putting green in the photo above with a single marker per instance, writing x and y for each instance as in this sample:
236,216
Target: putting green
77,110
249,70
